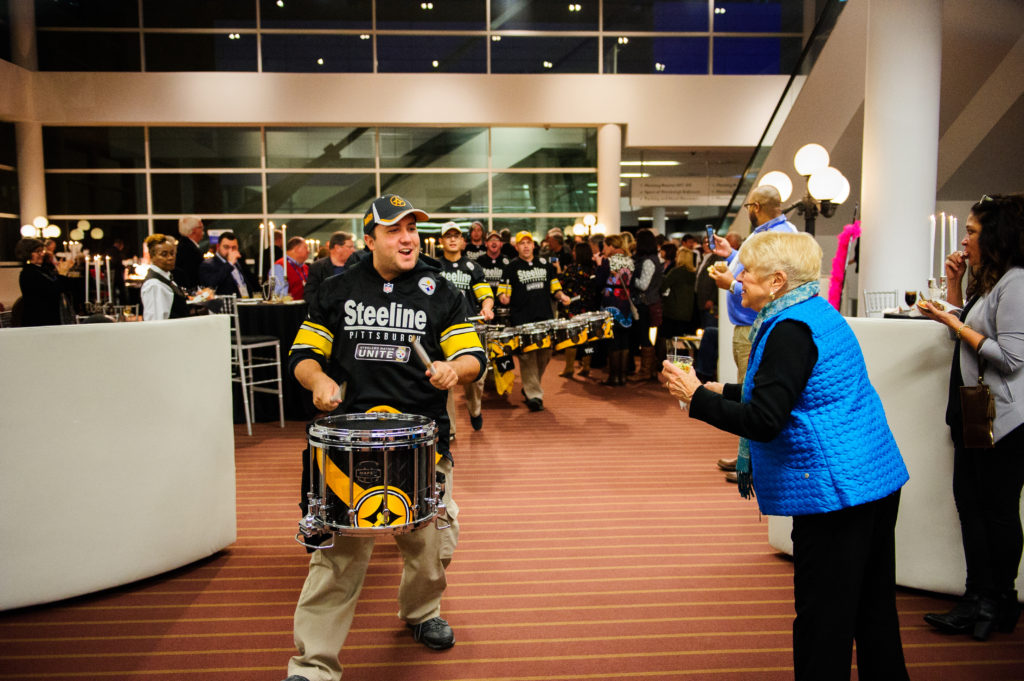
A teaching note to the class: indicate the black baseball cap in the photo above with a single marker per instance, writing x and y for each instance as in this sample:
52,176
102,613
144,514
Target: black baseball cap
387,210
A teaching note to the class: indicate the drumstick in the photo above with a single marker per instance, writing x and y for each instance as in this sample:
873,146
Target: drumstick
422,354
477,318
339,394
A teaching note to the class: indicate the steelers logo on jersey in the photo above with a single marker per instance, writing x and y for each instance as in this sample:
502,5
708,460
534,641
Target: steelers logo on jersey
428,285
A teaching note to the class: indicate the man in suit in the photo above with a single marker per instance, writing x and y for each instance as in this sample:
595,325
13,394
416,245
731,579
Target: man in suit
186,268
339,249
226,272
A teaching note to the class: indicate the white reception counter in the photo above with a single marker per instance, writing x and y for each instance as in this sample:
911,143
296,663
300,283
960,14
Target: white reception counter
908,362
118,454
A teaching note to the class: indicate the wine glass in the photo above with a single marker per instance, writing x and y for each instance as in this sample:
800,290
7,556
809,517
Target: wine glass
910,297
677,352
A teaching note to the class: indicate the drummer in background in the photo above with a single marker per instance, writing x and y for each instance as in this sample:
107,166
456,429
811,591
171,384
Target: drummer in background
359,334
468,277
494,262
475,248
527,288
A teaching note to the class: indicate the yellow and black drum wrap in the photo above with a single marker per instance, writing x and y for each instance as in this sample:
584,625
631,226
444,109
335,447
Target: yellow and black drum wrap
566,333
374,472
535,336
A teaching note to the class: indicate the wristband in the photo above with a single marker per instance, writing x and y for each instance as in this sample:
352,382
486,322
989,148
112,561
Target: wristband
961,330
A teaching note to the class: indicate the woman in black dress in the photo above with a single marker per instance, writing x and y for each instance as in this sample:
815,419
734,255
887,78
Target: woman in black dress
42,287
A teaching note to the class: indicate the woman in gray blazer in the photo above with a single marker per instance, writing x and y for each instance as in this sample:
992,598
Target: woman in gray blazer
987,483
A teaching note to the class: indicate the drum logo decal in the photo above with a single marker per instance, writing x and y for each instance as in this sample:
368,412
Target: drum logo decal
371,507
428,285
368,473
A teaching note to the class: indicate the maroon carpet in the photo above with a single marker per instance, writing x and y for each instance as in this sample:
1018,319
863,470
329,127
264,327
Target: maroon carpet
598,542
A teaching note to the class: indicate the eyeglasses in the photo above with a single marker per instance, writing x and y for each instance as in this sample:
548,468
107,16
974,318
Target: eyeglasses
985,198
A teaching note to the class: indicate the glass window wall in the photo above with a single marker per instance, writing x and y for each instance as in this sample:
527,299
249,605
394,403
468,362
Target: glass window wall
88,51
433,147
320,147
431,54
316,53
756,56
200,13
443,15
410,36
201,52
204,147
656,15
96,193
564,54
351,14
315,193
656,55
314,179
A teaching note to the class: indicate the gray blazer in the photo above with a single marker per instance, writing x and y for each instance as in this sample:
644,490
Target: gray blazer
999,316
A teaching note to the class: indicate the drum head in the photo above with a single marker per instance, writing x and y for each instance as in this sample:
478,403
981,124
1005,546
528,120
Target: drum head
372,430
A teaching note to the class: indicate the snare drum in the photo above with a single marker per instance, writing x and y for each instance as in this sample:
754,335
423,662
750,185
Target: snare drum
371,474
566,333
502,315
535,336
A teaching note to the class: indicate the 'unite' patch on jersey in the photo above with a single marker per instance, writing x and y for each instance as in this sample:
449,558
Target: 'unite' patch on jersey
382,353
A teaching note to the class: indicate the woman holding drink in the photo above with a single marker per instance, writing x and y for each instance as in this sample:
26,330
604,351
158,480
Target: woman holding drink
989,334
814,445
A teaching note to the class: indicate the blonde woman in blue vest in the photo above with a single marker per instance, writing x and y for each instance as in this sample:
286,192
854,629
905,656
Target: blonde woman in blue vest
814,445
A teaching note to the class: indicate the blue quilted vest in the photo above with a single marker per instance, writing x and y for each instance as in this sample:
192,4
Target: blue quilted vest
836,450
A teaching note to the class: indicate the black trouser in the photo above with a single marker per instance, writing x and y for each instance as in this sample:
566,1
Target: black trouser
986,486
845,589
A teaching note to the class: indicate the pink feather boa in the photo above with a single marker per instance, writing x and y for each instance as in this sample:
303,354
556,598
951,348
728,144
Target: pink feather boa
835,288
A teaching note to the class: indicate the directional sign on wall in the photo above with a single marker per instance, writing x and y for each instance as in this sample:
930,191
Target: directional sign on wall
681,191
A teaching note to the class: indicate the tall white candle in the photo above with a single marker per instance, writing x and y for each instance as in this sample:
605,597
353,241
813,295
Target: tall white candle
931,250
259,272
952,233
85,275
942,243
110,290
270,233
284,254
99,298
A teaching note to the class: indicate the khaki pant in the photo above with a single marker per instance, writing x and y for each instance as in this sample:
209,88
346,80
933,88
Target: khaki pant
474,393
531,368
741,350
327,604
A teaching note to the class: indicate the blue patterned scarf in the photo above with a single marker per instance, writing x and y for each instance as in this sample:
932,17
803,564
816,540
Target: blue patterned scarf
797,295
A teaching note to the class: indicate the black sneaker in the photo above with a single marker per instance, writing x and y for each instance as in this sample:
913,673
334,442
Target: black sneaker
434,634
295,677
477,421
534,404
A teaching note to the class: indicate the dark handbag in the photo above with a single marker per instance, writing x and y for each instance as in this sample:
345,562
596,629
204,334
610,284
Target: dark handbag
979,411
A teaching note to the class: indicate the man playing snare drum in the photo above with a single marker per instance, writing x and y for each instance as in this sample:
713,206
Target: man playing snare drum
359,335
468,277
528,286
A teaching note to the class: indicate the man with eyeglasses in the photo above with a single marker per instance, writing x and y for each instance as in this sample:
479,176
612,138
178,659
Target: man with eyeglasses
765,211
